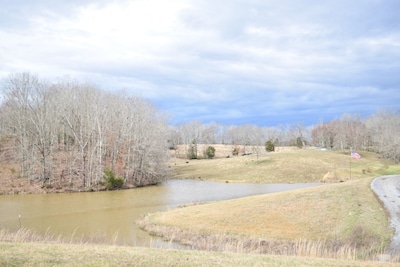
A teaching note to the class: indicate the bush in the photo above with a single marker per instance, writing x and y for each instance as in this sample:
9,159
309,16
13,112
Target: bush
192,152
210,152
235,151
299,142
361,237
110,180
269,146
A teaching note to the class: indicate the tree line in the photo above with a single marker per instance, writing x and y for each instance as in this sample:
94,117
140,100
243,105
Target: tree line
377,133
68,133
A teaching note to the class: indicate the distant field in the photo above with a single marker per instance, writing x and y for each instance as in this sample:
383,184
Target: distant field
285,166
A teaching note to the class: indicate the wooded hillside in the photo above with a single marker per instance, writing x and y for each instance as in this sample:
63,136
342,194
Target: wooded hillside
67,133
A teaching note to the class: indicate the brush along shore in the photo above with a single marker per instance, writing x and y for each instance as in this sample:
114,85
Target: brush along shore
27,248
340,220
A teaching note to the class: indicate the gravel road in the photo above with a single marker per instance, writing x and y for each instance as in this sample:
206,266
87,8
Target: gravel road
387,188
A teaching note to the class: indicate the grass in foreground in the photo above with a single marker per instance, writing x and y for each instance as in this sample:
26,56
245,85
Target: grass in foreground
345,214
297,166
47,254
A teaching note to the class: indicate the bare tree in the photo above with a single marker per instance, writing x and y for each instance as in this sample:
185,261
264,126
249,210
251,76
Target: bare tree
383,128
43,119
148,143
322,135
18,90
192,135
257,139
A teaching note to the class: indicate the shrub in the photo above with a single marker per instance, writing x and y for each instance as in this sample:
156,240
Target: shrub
13,171
110,180
192,152
210,152
235,151
361,237
299,142
269,146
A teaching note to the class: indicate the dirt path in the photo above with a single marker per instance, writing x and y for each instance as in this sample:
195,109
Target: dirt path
387,188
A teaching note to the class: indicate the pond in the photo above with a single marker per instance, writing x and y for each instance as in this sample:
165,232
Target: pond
112,214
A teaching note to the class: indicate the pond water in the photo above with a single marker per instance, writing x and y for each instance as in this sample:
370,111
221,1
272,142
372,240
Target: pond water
112,214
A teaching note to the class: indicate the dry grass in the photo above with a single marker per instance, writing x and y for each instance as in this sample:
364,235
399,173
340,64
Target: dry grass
27,248
28,235
287,166
25,235
41,254
343,213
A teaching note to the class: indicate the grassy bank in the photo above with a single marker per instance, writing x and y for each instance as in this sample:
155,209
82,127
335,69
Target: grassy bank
46,254
335,220
290,166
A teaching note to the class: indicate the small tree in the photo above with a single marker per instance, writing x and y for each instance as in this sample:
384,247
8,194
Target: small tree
235,151
299,142
192,152
269,146
111,181
210,152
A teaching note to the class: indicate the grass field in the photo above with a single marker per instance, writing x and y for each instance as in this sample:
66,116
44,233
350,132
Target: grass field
288,166
325,212
344,213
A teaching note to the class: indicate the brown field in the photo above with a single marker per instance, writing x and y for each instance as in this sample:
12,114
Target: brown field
325,212
286,166
345,213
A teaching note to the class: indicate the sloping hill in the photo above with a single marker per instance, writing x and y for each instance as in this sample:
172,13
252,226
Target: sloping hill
346,215
284,166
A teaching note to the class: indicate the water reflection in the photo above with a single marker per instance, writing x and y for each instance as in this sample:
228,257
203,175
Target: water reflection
114,213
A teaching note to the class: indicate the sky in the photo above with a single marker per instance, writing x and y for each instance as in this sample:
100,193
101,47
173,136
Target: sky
260,62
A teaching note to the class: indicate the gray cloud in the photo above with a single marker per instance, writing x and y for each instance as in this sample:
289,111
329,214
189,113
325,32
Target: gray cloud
252,61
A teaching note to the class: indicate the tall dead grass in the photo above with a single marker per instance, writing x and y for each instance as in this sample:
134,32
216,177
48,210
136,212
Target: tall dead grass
26,235
336,249
208,242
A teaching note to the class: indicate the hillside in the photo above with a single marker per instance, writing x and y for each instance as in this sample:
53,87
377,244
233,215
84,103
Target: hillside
334,220
344,211
286,165
65,171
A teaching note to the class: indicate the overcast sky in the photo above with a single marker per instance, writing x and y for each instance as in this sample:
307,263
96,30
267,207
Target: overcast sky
262,62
